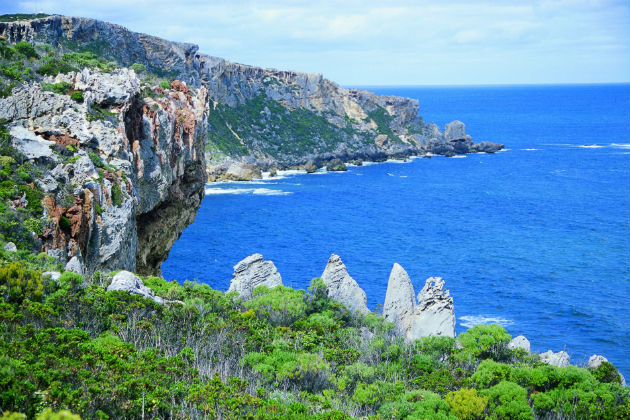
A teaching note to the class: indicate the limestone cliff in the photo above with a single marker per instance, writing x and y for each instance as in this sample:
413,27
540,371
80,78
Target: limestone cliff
122,175
262,118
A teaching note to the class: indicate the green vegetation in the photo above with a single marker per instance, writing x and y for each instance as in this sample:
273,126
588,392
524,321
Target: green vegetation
383,120
21,16
284,354
264,124
20,198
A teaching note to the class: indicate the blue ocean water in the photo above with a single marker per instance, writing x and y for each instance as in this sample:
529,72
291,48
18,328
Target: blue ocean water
536,238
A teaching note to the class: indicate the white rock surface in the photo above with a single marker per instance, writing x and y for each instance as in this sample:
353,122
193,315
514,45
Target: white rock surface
10,247
595,361
32,145
125,280
252,272
74,265
400,300
52,275
434,314
560,359
455,130
520,342
341,287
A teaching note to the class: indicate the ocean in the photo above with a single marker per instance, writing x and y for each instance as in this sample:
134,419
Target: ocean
535,238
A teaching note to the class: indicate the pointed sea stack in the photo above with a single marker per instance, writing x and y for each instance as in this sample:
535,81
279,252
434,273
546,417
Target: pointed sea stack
400,301
341,287
252,272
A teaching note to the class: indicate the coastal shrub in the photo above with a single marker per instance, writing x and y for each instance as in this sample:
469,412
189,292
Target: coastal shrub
138,68
606,373
18,282
25,49
116,194
281,305
466,403
486,342
508,401
77,96
490,373
61,88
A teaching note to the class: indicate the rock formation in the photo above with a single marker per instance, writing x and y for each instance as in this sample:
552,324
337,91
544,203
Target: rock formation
595,361
559,359
431,315
252,272
520,342
400,300
134,176
345,124
341,287
129,282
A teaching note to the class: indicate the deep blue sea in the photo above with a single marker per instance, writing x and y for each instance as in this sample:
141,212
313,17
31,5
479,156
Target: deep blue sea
536,238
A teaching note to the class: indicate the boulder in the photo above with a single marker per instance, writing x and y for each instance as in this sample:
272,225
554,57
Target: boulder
560,359
127,281
341,287
52,275
455,130
252,272
520,342
336,165
486,147
10,247
595,361
433,315
400,300
74,265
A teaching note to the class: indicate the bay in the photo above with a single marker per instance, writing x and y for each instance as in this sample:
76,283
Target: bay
536,238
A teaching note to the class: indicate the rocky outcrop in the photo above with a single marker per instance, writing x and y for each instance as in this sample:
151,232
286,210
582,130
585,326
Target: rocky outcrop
122,174
341,287
345,124
520,342
559,359
10,247
595,362
129,282
252,272
432,315
400,300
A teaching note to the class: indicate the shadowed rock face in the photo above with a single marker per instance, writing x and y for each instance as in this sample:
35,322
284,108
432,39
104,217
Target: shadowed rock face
341,287
431,315
252,272
137,177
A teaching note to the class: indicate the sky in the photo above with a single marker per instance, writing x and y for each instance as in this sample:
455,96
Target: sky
388,42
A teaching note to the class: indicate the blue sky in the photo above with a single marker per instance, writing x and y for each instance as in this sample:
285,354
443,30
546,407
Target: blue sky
389,42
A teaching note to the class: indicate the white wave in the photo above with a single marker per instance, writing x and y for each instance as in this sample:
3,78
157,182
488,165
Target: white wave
267,191
590,146
530,150
239,191
396,161
503,150
458,156
403,176
390,174
620,145
369,163
470,321
290,172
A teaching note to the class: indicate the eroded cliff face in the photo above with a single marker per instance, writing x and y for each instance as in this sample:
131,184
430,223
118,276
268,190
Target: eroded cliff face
122,174
261,119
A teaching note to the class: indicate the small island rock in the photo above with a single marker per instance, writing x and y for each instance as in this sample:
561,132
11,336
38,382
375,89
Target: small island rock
341,287
252,272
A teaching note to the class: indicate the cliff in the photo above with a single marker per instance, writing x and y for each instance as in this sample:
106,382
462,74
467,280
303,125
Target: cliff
121,175
261,119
